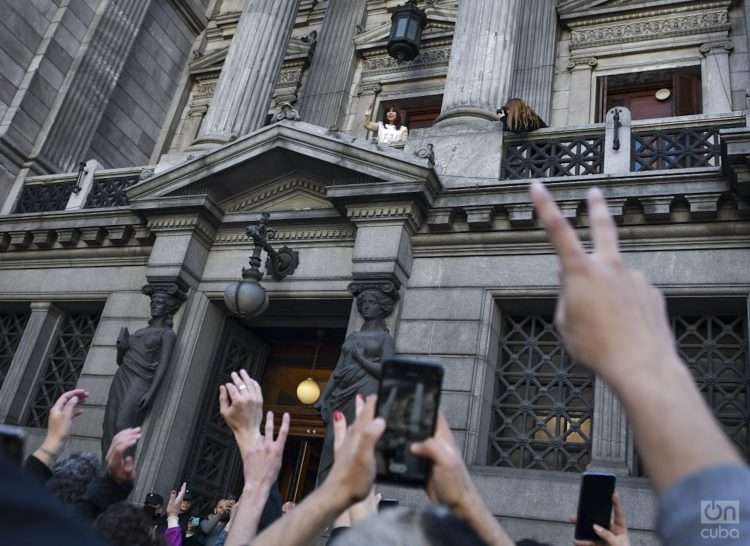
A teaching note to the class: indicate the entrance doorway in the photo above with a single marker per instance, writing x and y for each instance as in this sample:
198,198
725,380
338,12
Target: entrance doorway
287,345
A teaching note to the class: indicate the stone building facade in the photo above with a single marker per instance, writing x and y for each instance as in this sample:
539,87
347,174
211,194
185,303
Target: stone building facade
138,139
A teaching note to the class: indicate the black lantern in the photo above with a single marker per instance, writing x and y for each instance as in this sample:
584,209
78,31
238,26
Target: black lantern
407,24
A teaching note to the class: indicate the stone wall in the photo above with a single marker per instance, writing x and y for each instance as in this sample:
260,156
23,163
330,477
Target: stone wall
139,105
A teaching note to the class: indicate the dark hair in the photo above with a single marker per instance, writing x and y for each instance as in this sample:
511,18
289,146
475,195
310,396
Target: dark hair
124,524
398,122
531,542
72,475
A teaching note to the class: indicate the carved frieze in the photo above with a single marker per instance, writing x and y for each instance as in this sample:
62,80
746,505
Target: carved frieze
379,62
622,30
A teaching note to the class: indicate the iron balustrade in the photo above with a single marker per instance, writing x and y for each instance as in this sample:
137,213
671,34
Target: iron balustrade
47,197
678,148
110,192
575,154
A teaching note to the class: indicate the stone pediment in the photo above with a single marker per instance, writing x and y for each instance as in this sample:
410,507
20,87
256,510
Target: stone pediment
441,20
287,166
290,193
569,9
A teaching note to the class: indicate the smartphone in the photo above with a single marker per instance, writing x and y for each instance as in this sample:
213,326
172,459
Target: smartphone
408,400
386,504
594,504
12,441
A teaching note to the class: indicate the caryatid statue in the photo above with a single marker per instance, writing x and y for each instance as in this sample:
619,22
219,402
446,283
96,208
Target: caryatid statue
142,359
359,365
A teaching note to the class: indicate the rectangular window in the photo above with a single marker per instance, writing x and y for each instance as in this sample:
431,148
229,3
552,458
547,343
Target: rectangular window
416,112
63,365
652,94
542,406
12,324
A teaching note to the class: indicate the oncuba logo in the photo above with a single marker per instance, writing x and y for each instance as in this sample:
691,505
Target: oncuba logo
717,515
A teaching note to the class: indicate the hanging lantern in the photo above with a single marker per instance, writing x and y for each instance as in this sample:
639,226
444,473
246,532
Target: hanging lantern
407,24
308,391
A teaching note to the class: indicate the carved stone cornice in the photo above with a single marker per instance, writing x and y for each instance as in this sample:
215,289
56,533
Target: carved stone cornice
408,212
655,25
252,200
584,62
379,62
312,234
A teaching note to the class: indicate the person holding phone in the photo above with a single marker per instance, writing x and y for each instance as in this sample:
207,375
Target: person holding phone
616,535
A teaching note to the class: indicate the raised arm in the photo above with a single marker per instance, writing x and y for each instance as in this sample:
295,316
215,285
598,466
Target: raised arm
614,322
369,124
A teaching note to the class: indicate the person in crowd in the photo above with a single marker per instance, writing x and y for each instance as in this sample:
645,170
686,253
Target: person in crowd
72,476
616,535
152,505
186,511
124,524
213,525
173,535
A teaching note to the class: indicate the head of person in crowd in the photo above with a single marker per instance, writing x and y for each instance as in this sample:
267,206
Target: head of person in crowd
124,524
153,504
186,506
431,526
72,475
224,508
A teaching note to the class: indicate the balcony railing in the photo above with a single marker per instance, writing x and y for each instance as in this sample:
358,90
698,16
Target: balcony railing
98,189
648,145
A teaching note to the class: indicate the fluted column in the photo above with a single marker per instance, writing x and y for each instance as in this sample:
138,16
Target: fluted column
91,85
330,78
481,65
534,65
243,92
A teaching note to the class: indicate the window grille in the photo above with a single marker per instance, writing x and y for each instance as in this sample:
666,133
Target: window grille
715,349
676,149
12,325
572,155
63,366
543,402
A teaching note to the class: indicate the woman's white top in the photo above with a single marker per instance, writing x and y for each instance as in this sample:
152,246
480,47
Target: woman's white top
390,135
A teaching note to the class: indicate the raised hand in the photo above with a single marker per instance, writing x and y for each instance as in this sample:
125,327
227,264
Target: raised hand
241,406
121,465
175,501
450,483
60,423
617,534
353,470
611,319
262,462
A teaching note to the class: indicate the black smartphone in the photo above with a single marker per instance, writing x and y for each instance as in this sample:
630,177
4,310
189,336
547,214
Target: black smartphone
408,400
386,504
12,441
594,504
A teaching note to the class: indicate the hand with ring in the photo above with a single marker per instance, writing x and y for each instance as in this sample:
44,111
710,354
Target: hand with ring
241,406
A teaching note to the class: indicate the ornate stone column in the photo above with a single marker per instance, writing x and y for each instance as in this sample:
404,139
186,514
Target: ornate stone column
581,87
717,86
333,65
243,92
609,449
481,65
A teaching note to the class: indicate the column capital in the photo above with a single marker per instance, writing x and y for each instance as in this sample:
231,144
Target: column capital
587,63
714,48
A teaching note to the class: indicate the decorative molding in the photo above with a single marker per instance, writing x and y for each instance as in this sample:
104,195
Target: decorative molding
721,47
620,30
183,223
585,62
303,234
408,212
253,200
379,62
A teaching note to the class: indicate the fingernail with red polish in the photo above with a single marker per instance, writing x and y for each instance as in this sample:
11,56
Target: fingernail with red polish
337,415
360,396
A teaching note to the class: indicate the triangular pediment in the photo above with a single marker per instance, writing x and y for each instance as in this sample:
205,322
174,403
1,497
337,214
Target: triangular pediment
572,9
285,166
441,20
292,192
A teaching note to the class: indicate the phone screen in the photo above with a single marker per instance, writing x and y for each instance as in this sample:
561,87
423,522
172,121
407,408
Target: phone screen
594,504
408,400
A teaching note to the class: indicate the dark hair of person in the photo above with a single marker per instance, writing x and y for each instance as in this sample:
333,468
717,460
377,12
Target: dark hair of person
531,542
124,524
72,475
443,528
398,122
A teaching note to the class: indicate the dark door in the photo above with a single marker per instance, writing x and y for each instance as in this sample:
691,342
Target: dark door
214,468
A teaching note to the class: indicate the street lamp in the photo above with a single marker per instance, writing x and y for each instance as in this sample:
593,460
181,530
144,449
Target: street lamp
247,298
407,23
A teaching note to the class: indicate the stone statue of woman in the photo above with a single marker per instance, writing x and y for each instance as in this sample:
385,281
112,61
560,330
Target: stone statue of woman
359,365
142,359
